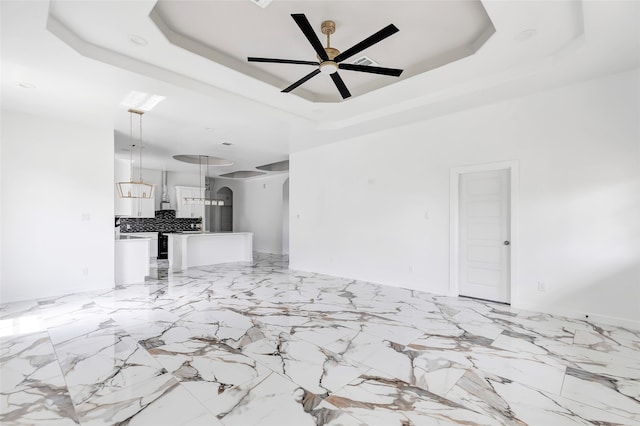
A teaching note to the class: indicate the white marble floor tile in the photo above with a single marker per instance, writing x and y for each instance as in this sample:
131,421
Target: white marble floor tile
254,344
368,349
378,399
269,400
44,403
320,333
523,369
150,401
603,393
316,369
98,363
207,369
25,359
32,386
513,403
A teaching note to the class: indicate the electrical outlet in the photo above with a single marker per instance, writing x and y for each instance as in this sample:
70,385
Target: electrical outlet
542,286
85,272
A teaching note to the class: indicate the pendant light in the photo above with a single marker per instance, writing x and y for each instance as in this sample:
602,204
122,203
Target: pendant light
135,189
206,161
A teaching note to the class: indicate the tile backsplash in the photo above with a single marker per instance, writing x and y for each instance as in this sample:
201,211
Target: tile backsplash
164,221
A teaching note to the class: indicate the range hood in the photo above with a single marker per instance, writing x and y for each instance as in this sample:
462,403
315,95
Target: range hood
165,204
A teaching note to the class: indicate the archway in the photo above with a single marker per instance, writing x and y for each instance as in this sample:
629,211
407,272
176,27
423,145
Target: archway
224,220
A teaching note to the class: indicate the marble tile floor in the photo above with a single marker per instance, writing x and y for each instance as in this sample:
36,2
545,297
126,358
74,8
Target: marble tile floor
258,344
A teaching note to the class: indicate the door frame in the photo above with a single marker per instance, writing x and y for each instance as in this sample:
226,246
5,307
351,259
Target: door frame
454,222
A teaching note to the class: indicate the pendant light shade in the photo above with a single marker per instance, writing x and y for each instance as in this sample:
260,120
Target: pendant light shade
135,190
132,188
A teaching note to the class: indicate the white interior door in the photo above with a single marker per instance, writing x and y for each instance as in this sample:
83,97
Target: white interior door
484,222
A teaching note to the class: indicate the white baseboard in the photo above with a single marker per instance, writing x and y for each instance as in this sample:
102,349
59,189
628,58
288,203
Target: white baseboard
585,316
57,294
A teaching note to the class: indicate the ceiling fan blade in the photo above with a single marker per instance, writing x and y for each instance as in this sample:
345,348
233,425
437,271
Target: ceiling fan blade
340,85
367,42
373,70
282,61
306,28
302,80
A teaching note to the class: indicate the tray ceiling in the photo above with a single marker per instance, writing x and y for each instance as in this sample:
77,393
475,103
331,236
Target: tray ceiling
78,60
432,34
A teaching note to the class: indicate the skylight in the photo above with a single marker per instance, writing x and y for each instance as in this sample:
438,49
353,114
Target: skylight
141,101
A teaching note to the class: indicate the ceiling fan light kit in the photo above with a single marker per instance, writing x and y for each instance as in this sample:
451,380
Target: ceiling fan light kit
328,67
330,59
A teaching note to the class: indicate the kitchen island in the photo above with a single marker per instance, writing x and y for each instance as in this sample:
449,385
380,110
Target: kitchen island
131,259
208,248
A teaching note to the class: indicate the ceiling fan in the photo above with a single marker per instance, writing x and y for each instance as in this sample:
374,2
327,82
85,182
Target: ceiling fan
330,59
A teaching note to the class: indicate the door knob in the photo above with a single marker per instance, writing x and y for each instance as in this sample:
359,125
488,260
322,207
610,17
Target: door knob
506,243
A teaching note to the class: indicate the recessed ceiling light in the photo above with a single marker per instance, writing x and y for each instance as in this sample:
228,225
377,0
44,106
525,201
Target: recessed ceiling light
136,39
26,85
210,129
526,34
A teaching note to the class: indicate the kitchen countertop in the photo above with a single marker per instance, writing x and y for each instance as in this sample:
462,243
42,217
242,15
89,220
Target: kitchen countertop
188,233
132,238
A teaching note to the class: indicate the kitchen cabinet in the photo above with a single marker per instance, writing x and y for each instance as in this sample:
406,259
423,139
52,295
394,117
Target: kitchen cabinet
189,208
153,244
209,248
132,261
143,207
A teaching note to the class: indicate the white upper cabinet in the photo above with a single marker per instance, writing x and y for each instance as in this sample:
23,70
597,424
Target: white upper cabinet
143,207
189,208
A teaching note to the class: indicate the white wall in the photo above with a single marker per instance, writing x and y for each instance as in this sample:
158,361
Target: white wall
377,207
57,207
285,217
257,208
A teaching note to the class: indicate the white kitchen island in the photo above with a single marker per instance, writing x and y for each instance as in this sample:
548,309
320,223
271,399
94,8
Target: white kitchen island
131,259
208,248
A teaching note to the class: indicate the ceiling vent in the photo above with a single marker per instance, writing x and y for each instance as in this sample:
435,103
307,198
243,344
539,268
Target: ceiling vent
261,3
366,61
